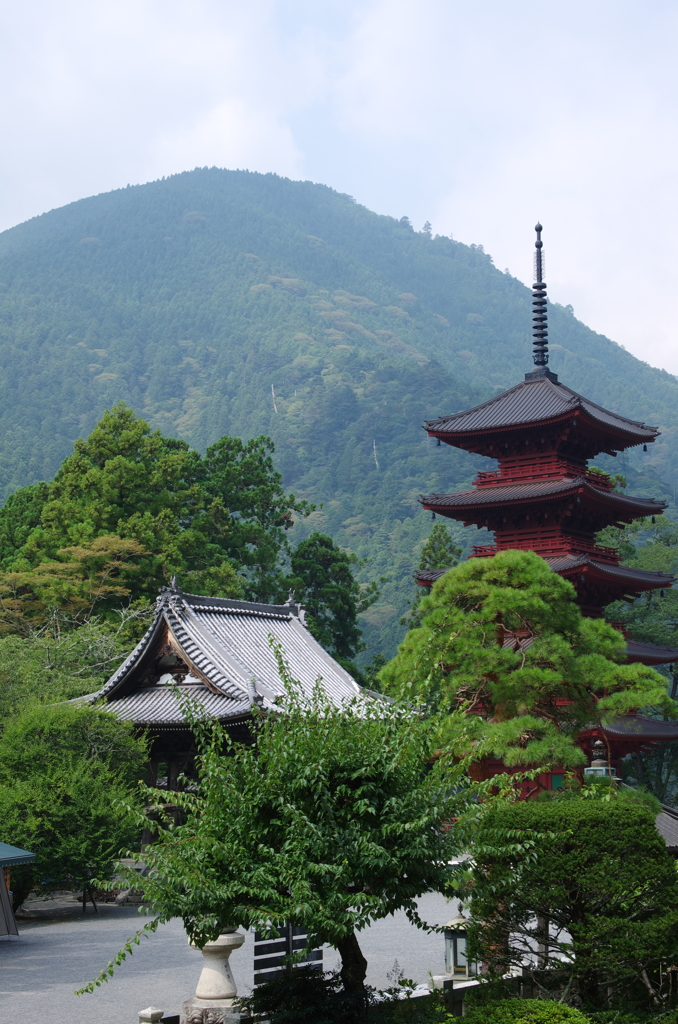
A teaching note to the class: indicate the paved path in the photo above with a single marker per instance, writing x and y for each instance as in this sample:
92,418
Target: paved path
40,970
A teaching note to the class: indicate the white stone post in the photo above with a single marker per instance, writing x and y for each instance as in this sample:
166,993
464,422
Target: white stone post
213,999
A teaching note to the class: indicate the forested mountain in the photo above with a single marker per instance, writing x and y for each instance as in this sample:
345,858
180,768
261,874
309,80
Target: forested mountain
224,302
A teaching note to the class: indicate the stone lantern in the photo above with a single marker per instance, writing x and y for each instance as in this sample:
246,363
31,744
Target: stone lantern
600,766
216,991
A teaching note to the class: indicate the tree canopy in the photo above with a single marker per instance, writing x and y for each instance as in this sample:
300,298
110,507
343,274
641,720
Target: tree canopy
321,576
439,552
503,639
597,896
65,771
130,508
336,818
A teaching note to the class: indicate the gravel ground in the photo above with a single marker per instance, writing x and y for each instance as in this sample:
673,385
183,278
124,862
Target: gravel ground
65,949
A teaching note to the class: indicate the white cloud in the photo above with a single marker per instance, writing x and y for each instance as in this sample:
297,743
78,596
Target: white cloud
478,117
231,135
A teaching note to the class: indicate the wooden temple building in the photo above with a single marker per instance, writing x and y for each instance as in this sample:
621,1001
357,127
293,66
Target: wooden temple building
218,652
544,498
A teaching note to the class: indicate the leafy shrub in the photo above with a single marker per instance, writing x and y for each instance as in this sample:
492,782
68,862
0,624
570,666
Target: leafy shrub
634,1017
526,1011
303,996
307,996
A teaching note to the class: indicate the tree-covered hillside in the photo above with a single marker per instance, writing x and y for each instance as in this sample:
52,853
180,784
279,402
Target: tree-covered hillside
224,302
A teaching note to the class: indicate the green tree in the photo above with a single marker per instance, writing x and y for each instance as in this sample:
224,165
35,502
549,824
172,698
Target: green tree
439,552
503,638
99,573
219,524
597,896
322,579
65,771
60,661
652,618
240,479
331,821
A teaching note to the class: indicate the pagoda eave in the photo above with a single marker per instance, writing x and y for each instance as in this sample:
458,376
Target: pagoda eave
539,405
632,733
622,576
464,505
650,654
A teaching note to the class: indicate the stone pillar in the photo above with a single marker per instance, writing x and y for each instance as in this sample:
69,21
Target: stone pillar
213,999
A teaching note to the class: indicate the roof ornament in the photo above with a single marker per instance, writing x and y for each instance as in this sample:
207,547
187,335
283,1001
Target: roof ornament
540,344
255,696
174,590
539,319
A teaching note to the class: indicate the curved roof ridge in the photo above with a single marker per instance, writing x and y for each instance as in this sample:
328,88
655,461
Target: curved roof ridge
481,405
135,654
207,647
589,403
549,400
534,489
232,604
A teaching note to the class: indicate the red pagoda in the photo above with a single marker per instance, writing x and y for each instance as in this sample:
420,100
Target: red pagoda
544,498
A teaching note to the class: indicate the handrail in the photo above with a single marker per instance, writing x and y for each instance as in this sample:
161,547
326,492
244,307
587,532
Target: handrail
552,469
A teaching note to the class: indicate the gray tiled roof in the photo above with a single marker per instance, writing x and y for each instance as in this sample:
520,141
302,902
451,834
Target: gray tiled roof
226,646
159,705
667,826
532,402
502,494
429,576
651,653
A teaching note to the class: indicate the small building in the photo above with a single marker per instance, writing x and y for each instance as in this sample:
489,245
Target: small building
218,652
10,856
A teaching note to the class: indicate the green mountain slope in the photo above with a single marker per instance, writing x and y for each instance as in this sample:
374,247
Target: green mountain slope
228,302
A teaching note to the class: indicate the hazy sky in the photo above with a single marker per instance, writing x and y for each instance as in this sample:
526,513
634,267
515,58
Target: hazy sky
480,117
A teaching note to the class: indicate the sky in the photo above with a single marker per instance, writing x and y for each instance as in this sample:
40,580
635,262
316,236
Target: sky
478,117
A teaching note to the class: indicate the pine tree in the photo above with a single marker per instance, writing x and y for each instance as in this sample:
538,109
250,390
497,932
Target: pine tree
504,638
439,552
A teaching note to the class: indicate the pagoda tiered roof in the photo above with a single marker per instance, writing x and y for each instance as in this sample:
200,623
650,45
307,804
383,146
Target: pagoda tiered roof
543,497
639,731
566,565
618,506
542,401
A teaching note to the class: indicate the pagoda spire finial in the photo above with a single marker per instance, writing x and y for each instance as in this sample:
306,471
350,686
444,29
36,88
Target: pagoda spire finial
540,344
539,318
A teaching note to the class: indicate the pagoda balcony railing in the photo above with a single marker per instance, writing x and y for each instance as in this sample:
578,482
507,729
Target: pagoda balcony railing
605,554
550,546
484,550
545,470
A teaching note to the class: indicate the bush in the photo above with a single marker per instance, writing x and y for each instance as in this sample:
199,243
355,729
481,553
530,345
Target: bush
603,878
304,996
65,772
634,1017
525,1011
307,996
